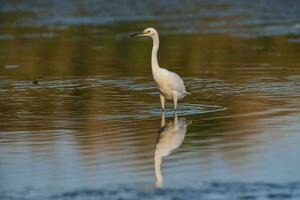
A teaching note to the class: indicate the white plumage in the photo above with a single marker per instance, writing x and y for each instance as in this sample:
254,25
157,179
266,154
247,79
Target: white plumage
169,84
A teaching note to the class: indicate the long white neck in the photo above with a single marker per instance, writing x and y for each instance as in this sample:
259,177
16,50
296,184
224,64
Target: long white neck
157,163
154,62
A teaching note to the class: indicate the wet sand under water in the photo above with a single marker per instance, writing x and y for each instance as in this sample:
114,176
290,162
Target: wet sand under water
208,191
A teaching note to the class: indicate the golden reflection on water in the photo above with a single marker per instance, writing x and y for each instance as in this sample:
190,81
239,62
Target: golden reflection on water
79,51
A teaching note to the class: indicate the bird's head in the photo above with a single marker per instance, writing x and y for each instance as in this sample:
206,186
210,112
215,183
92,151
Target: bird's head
148,32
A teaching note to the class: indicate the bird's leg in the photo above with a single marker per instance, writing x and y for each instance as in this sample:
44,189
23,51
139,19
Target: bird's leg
162,101
175,99
163,120
175,121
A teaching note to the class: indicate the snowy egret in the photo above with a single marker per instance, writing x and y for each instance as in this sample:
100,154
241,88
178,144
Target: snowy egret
171,136
169,84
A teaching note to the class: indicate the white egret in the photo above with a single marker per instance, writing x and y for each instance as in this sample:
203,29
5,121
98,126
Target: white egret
171,135
169,84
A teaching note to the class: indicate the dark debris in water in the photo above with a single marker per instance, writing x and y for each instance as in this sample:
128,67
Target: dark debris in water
207,191
35,82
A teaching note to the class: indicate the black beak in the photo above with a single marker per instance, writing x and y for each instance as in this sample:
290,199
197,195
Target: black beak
135,35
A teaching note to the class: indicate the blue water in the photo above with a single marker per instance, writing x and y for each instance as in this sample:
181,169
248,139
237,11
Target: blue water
242,18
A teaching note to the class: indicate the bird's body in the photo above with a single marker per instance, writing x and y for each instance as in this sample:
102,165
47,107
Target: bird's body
169,84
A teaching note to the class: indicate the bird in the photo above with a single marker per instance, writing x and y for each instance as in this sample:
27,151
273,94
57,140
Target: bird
171,135
169,84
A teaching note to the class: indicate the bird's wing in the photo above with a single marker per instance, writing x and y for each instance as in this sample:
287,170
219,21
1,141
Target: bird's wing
172,80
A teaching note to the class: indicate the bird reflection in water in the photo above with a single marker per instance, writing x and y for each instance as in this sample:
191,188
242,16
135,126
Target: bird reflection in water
170,137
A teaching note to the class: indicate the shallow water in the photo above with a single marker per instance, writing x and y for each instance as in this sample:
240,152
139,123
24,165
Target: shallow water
94,120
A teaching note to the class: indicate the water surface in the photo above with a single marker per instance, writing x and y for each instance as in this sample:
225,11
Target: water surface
94,120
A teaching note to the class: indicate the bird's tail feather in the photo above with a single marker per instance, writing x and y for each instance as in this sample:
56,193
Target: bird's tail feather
185,92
